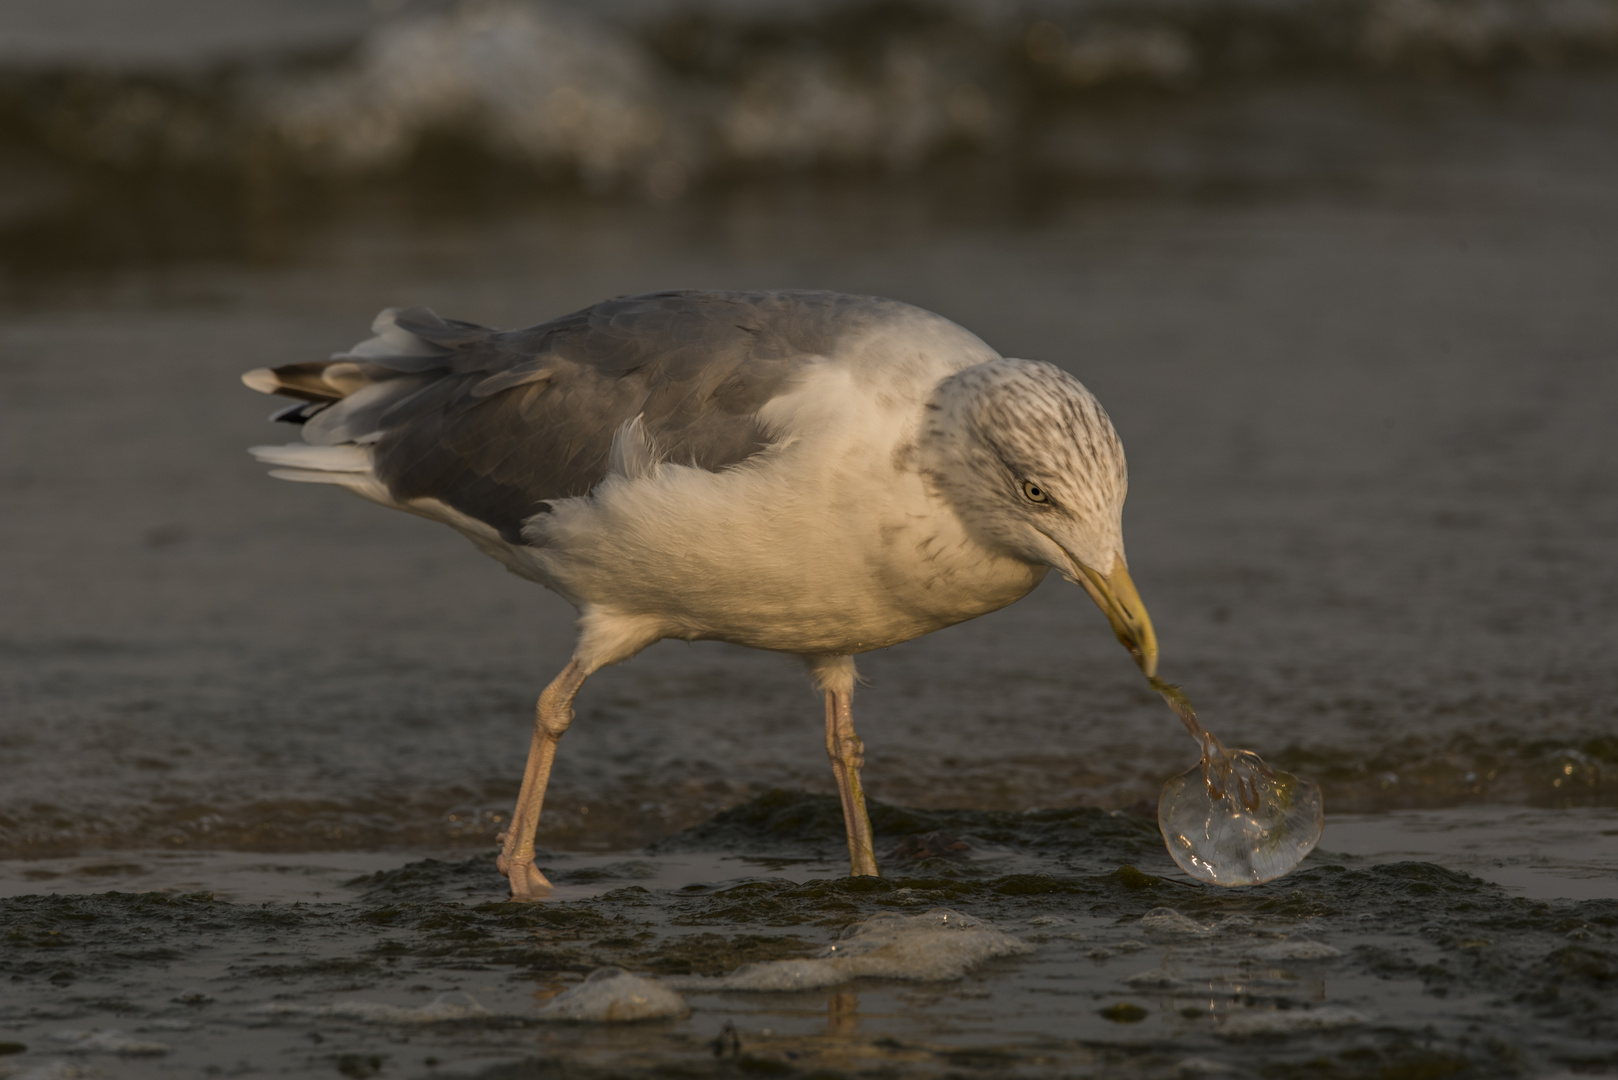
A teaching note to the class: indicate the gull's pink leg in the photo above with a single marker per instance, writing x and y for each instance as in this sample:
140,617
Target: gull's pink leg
847,755
552,716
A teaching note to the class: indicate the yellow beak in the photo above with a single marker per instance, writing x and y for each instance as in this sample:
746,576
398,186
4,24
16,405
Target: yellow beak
1115,595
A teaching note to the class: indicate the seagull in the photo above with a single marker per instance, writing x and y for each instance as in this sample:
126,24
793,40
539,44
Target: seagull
805,472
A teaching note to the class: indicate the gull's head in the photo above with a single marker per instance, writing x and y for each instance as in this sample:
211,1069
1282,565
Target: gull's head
1031,463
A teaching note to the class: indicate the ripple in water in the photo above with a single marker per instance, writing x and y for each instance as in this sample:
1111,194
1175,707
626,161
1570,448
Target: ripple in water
1231,819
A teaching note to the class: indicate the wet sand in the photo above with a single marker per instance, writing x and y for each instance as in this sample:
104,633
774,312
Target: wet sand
1349,967
1370,444
1531,854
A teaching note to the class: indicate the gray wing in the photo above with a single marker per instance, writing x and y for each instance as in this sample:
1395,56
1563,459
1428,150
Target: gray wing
495,423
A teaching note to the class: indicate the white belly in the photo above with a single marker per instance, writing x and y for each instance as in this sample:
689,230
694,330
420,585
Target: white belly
824,546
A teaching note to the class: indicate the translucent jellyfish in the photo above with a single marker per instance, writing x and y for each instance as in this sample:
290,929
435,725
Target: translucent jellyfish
1231,819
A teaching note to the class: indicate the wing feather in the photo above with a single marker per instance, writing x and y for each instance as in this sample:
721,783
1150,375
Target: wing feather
495,423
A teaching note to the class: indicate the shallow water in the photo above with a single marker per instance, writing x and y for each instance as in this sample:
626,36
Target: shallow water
1357,336
1354,966
1370,507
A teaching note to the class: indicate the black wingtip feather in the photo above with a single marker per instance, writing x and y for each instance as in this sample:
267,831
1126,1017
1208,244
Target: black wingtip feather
298,414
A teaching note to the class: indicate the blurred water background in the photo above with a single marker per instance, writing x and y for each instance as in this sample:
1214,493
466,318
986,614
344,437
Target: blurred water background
1342,271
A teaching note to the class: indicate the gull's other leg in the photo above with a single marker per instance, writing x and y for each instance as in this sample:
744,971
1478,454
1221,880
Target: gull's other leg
552,716
847,753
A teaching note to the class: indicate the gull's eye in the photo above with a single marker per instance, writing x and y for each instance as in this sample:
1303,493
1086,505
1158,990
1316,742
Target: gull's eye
1034,492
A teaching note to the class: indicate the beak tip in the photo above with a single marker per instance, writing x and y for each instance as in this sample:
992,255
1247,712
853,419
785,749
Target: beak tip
1115,594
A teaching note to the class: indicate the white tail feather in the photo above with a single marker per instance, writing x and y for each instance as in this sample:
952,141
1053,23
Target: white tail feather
392,340
344,459
363,484
261,379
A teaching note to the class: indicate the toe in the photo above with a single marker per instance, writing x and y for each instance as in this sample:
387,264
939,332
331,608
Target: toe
527,883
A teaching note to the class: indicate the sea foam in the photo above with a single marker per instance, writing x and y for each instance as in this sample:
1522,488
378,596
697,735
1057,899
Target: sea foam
612,995
936,946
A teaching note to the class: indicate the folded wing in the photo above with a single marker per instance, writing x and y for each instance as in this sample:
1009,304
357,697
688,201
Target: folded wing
495,423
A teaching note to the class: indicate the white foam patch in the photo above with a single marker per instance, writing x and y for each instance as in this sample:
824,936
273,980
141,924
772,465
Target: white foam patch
612,995
1289,1021
1297,949
451,1006
107,1041
1168,921
937,946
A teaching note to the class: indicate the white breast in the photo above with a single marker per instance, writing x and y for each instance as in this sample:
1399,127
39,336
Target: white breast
829,542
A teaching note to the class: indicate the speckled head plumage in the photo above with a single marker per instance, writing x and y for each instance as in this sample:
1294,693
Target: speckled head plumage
1030,460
